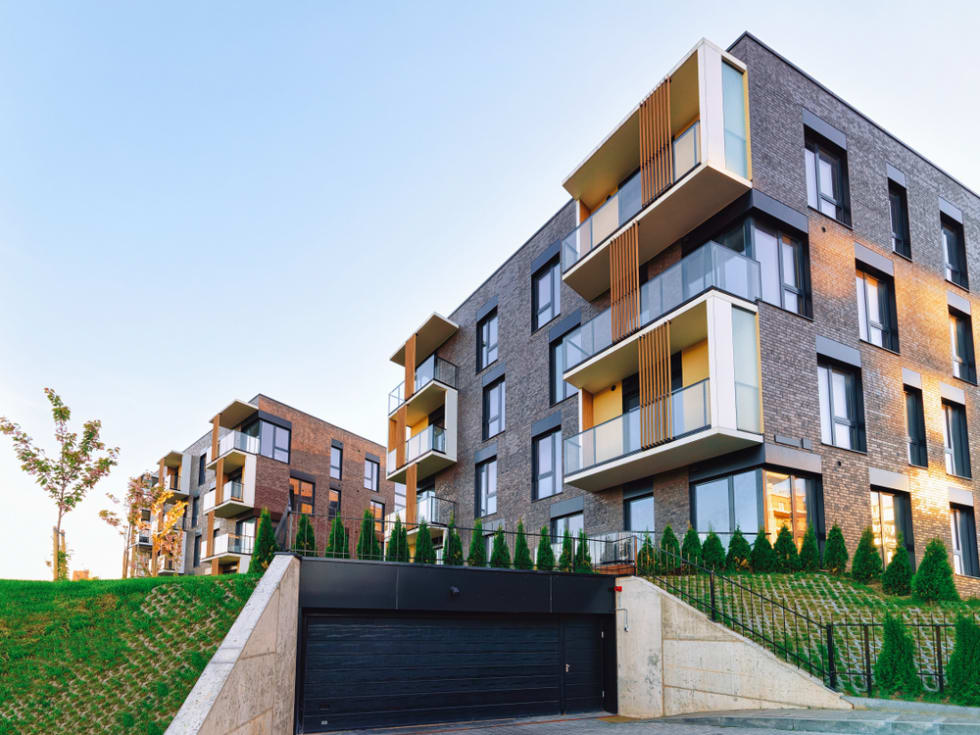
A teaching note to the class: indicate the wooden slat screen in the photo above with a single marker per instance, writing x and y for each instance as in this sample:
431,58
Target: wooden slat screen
400,421
624,283
588,416
656,153
655,419
410,367
215,430
411,485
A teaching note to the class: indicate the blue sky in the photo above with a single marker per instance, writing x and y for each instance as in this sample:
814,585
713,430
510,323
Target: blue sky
202,201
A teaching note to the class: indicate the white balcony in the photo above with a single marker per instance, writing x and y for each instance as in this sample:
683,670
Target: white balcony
233,448
433,448
230,546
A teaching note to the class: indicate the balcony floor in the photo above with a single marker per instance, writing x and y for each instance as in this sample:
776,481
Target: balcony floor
429,463
231,508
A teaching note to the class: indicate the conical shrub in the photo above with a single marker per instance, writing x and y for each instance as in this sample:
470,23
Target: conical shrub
835,556
338,546
895,671
265,545
739,553
522,552
691,548
545,555
787,558
934,578
670,549
809,552
305,541
425,552
645,557
368,546
566,562
867,559
478,547
963,672
763,558
500,554
394,550
713,553
583,557
452,556
897,579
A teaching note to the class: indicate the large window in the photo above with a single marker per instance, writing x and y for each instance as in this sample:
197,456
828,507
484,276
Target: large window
195,511
559,390
954,251
486,340
574,523
956,440
786,504
378,511
898,203
486,487
336,462
372,471
273,439
841,406
916,425
494,408
301,496
400,503
546,464
638,513
202,463
546,294
333,505
197,550
733,99
964,531
891,515
877,322
826,178
961,342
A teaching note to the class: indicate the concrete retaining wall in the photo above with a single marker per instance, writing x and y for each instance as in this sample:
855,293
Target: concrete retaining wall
250,682
673,660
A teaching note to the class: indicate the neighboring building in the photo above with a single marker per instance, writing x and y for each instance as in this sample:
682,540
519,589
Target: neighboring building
755,310
79,574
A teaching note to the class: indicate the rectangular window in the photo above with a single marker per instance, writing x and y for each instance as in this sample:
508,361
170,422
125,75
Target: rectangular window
956,440
486,487
961,342
782,258
378,511
301,496
202,469
733,113
372,471
574,523
841,406
494,409
638,514
486,340
273,439
197,550
898,203
559,390
916,424
400,494
333,505
336,462
745,348
546,465
546,294
786,504
877,322
891,515
964,532
727,503
954,251
826,178
195,511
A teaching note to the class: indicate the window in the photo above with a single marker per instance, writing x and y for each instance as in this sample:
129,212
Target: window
964,531
961,341
486,340
733,98
546,464
400,503
486,487
273,439
877,321
727,503
333,505
786,504
195,510
573,523
559,390
202,464
891,514
197,550
898,202
638,513
372,470
916,423
301,496
826,178
336,462
954,251
956,440
545,294
494,409
378,511
841,406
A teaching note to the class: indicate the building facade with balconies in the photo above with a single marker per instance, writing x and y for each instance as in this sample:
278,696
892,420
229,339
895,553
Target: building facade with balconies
754,311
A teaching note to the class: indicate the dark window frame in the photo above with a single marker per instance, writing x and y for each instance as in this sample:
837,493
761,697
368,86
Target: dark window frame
963,527
556,351
898,207
197,550
555,472
375,474
298,497
556,537
501,415
482,509
270,452
956,440
552,272
902,506
887,322
964,366
202,464
195,511
379,518
822,149
332,511
484,349
340,463
628,514
915,425
856,422
957,273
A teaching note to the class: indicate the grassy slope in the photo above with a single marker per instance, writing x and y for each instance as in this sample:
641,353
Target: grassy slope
113,656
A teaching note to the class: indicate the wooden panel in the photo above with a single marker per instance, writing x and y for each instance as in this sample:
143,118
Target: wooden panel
624,283
209,538
214,437
656,153
655,419
411,484
219,483
400,421
588,416
410,366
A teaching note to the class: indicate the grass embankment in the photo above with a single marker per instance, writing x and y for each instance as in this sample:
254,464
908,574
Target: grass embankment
112,656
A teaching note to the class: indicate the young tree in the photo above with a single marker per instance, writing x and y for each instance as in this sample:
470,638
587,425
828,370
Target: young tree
810,552
305,541
393,551
646,557
67,478
167,539
713,553
739,552
522,552
265,545
895,668
425,552
867,559
452,556
500,555
963,672
338,546
835,556
368,546
691,548
566,562
897,579
670,550
478,547
763,558
546,556
583,559
787,558
934,578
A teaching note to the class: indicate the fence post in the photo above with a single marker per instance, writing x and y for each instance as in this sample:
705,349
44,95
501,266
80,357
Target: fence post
867,657
711,582
939,658
831,657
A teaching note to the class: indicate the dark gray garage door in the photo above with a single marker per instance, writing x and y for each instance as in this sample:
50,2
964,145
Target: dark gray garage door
375,670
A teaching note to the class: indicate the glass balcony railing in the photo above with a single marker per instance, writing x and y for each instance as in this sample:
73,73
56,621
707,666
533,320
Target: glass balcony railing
433,368
435,510
710,266
238,440
622,206
233,490
432,438
230,543
620,436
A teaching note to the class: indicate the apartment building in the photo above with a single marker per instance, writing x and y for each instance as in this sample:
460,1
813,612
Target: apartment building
260,454
755,310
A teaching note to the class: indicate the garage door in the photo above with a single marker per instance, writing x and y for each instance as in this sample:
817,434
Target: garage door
375,670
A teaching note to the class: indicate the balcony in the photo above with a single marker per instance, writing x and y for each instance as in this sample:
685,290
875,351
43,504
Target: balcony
233,448
236,498
433,370
231,547
689,140
435,511
710,266
432,450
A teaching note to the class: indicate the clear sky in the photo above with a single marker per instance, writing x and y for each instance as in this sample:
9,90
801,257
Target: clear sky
203,201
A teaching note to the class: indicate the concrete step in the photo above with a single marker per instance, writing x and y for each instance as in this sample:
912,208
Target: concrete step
856,722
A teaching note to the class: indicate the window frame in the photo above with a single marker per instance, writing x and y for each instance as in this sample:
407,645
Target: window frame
821,149
968,369
296,493
956,454
556,351
886,304
197,550
195,510
558,538
965,558
339,467
501,416
483,348
628,512
379,518
552,272
332,511
555,474
202,471
856,423
951,269
902,506
483,475
374,477
898,207
918,451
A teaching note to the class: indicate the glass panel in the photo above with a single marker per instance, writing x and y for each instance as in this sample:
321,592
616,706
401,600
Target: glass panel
686,151
766,252
640,513
823,385
745,487
711,504
745,346
614,212
811,178
826,179
799,510
733,105
779,501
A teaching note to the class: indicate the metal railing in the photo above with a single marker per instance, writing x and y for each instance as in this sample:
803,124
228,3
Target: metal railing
710,266
433,368
431,438
238,440
233,490
620,436
232,543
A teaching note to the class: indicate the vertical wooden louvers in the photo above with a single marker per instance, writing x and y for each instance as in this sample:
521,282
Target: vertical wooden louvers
411,487
656,153
401,417
655,418
409,367
624,283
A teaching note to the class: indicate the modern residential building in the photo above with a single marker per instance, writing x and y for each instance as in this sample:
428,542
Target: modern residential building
755,310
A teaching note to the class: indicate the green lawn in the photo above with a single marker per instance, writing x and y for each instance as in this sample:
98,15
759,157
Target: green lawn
113,656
